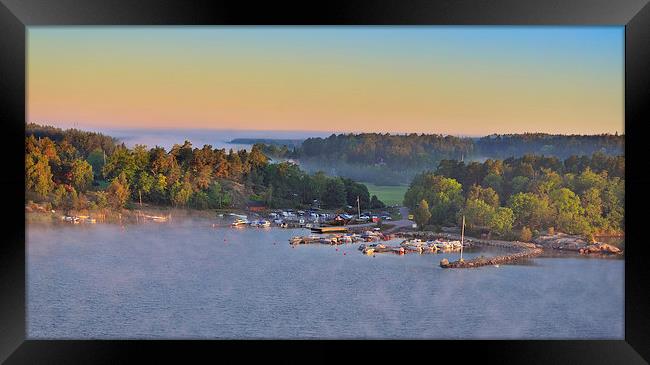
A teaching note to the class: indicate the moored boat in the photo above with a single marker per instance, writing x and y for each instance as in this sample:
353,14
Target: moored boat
239,223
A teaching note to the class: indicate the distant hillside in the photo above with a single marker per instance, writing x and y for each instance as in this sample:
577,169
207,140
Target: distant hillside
387,159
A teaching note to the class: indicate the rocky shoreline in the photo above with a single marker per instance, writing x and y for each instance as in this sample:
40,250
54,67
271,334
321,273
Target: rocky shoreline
565,242
560,242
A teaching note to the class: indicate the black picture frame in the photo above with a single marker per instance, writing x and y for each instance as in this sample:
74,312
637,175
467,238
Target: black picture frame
16,15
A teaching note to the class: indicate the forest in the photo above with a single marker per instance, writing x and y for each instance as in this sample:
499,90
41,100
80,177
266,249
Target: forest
387,159
516,198
73,169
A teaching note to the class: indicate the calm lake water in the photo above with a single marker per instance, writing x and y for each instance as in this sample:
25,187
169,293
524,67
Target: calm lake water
189,280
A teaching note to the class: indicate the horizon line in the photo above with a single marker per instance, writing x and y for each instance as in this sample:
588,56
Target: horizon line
330,132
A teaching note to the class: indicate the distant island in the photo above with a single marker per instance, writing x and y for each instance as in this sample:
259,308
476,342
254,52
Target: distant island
269,141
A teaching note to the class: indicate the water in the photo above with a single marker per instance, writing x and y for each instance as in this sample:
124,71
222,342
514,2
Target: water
216,138
182,280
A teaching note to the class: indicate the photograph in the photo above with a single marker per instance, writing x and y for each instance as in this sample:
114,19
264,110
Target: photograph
426,182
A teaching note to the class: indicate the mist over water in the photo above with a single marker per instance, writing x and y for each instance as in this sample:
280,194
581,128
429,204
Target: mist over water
186,279
216,138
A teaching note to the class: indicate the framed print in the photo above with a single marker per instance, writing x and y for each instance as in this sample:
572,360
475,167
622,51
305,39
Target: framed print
461,177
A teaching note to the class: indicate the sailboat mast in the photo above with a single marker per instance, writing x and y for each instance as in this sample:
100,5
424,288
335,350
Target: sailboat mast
358,208
462,238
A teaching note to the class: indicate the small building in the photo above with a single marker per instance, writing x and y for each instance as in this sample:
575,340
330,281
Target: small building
256,206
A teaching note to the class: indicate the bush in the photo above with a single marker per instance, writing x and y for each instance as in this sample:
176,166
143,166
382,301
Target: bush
526,235
591,238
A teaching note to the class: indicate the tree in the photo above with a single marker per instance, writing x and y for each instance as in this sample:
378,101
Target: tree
422,214
530,210
519,184
569,212
444,196
488,195
334,195
549,181
354,190
180,193
144,183
478,213
96,160
200,200
493,181
375,203
38,175
218,198
502,221
118,192
58,196
121,162
82,174
101,199
592,204
588,179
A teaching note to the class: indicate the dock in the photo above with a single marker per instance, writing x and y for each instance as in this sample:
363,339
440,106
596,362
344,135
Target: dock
329,229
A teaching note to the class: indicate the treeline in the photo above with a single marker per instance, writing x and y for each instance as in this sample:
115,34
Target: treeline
555,145
74,171
83,141
388,159
519,197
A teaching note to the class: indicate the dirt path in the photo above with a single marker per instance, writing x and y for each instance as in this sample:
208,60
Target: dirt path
402,223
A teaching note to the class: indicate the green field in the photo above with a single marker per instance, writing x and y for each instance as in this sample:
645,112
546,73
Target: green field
390,195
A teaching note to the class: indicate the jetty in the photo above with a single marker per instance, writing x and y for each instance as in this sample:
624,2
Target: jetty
523,250
490,261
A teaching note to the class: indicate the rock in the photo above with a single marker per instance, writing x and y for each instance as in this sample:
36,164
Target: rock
444,262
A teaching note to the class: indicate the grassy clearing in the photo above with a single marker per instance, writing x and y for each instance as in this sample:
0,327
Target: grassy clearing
391,195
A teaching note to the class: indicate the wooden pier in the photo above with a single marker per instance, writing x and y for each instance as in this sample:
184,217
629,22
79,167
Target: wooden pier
329,229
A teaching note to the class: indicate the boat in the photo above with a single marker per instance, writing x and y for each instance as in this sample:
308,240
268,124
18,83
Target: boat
156,218
264,223
71,219
239,223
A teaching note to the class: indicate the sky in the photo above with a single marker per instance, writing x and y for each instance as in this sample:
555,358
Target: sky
459,80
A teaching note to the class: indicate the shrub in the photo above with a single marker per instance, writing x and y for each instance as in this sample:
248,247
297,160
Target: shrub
526,234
